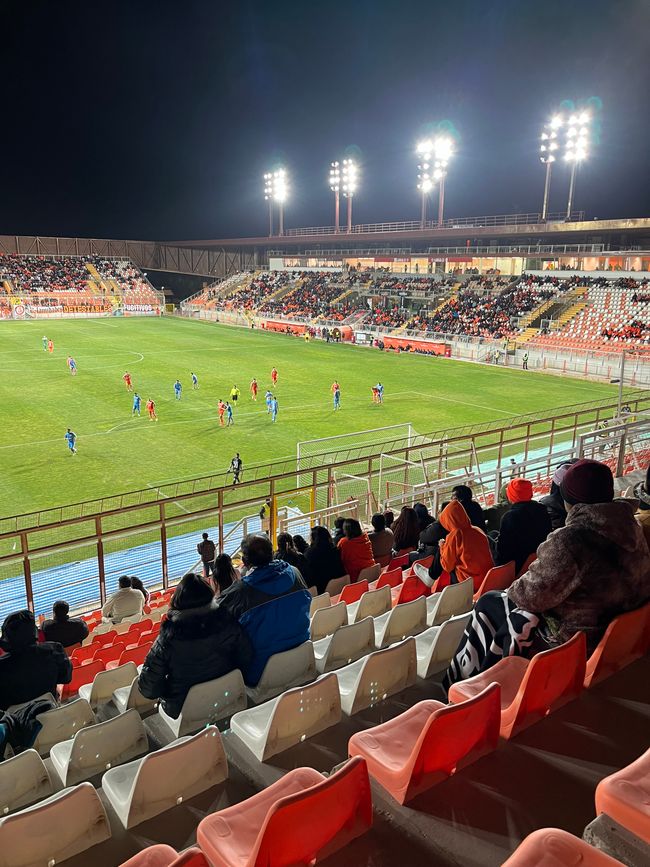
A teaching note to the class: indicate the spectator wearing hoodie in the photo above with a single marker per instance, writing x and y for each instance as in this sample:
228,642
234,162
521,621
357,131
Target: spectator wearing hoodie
524,526
553,500
586,573
29,669
355,548
271,603
198,641
464,495
464,552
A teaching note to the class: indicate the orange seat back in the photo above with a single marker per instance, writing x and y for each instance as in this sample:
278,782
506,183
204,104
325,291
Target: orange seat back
84,654
399,562
104,638
110,653
389,578
411,589
190,858
135,654
497,578
353,592
81,675
625,640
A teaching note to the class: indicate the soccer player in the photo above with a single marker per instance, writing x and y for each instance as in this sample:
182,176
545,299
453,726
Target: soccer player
274,408
45,341
127,380
72,364
50,346
136,404
234,394
375,394
336,393
236,467
178,388
195,380
253,388
221,406
306,336
268,397
274,377
380,392
71,439
229,418
151,409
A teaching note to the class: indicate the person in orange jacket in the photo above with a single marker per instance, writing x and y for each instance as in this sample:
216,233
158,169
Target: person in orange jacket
355,548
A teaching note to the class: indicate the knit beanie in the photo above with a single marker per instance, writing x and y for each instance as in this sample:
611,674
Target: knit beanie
519,491
588,481
562,469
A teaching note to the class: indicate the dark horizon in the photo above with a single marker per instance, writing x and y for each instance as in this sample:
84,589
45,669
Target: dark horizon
154,121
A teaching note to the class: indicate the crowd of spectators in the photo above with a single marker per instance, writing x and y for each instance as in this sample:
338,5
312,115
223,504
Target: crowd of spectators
313,296
634,331
252,294
389,317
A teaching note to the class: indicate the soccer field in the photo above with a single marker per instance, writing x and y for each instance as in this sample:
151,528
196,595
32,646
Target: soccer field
117,452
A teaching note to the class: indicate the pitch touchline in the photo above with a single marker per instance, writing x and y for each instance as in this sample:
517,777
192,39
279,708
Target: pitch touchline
464,402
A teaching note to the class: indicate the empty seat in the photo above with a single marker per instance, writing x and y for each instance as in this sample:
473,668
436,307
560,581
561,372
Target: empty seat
207,703
623,642
373,678
429,742
83,654
142,789
327,620
126,697
371,604
410,589
111,653
550,847
160,855
97,748
136,655
353,592
283,671
318,602
57,828
497,578
436,646
348,644
191,858
301,816
406,619
370,573
389,578
104,635
100,691
335,586
81,675
23,780
625,797
530,688
454,599
399,562
289,719
62,723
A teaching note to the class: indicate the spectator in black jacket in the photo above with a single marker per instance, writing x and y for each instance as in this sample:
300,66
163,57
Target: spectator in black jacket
524,526
63,628
323,558
554,501
463,493
29,669
197,642
288,552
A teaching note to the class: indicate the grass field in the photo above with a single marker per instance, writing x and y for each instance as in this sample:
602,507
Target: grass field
39,399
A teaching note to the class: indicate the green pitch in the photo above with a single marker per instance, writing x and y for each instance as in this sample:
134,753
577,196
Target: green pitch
39,399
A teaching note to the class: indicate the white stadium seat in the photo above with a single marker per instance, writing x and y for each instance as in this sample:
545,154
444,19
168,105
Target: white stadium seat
142,789
335,586
207,703
436,646
406,619
318,602
62,723
375,677
454,599
373,603
327,620
126,697
283,671
290,718
100,691
23,780
348,644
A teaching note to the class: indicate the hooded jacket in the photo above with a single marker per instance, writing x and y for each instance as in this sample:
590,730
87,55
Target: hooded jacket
555,507
194,645
523,528
356,554
465,550
586,573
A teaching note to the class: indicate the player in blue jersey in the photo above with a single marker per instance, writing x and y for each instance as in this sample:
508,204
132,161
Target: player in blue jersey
72,364
268,397
195,380
380,392
71,439
229,418
274,408
178,388
136,404
44,339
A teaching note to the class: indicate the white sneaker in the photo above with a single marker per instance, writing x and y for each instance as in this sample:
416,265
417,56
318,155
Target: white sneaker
423,574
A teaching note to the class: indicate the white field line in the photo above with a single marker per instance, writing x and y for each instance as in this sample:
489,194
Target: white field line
164,496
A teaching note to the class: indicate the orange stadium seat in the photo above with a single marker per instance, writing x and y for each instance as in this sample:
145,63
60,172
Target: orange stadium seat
497,578
135,654
110,653
625,639
410,589
390,578
154,856
352,592
81,675
105,638
551,847
625,797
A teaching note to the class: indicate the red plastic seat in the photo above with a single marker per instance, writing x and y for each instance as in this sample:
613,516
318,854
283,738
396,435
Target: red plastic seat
191,858
81,675
83,654
429,742
530,689
426,562
625,797
410,589
139,627
302,815
104,638
110,653
550,847
353,592
153,856
390,578
625,640
497,578
398,562
135,654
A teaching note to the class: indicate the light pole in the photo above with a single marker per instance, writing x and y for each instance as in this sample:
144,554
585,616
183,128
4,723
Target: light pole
547,155
349,175
276,189
577,143
424,151
335,183
443,150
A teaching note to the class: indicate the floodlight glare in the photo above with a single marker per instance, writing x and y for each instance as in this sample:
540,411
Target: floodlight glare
276,189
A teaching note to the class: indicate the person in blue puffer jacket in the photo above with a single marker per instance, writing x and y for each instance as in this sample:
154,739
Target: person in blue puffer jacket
271,603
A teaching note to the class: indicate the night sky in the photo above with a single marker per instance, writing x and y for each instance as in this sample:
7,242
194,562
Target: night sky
157,120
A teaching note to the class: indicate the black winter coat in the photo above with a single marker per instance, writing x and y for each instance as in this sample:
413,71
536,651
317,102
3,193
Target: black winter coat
194,645
32,671
324,564
523,529
555,507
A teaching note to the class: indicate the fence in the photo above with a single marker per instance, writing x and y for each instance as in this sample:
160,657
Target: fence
79,550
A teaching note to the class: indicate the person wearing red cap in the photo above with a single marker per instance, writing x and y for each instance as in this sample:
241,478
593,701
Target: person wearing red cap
523,527
586,573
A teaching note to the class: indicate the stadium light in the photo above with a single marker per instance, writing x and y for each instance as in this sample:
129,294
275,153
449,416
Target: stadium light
576,149
548,147
349,177
424,151
434,157
335,185
276,189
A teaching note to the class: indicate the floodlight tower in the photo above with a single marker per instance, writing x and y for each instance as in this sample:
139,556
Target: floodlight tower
335,186
576,149
443,150
276,189
547,156
349,179
424,150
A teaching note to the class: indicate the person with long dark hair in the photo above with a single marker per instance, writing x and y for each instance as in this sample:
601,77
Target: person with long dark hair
406,530
288,552
323,558
224,573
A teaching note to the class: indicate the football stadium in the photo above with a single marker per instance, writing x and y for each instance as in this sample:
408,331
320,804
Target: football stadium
324,543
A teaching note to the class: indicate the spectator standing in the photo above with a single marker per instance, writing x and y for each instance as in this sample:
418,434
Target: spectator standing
207,551
67,630
29,669
381,540
198,642
323,558
265,516
127,602
524,526
406,531
355,548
